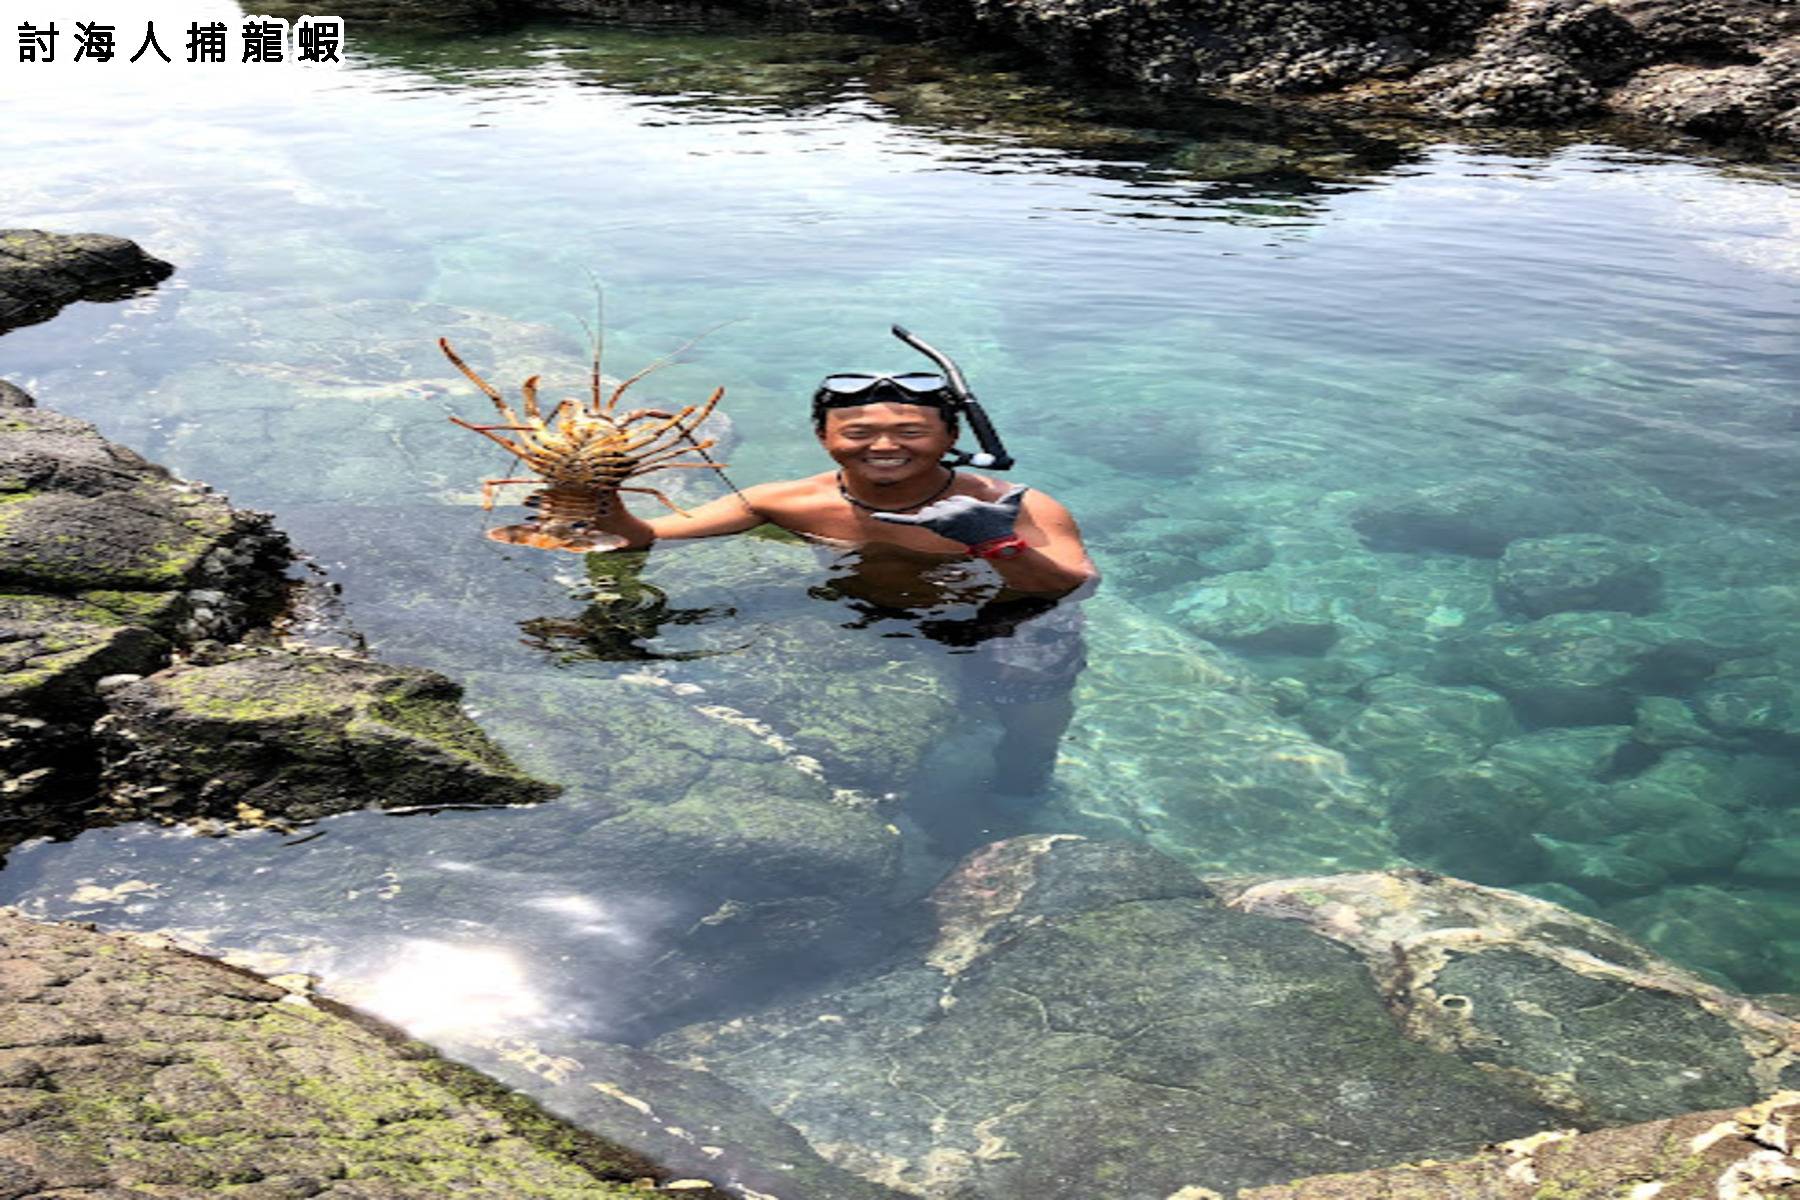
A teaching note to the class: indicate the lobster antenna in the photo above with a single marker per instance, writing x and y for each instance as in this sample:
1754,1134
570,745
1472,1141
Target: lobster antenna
670,357
597,336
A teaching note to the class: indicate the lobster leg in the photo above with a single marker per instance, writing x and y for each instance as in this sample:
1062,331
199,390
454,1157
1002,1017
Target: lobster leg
490,486
659,496
487,388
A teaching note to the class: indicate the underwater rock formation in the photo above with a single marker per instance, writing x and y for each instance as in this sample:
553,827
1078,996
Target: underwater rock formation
107,563
690,1121
1726,1154
1253,791
1092,1022
1539,576
129,1068
40,272
297,735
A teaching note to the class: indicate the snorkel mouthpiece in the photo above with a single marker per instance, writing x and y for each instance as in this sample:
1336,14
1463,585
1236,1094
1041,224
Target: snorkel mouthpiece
992,455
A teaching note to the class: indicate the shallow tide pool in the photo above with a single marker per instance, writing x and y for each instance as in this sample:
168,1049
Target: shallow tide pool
1445,492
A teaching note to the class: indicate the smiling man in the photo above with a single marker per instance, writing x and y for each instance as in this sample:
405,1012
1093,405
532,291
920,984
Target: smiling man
891,491
923,539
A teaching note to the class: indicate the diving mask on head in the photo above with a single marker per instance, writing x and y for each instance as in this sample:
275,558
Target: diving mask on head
948,392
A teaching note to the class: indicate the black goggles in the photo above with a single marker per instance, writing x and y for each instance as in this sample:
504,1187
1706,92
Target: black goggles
856,387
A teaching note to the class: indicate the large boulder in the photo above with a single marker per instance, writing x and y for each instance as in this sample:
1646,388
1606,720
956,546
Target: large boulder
298,735
1091,1022
40,272
107,563
1601,1029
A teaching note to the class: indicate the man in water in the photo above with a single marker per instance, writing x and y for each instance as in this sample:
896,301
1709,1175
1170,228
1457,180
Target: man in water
921,532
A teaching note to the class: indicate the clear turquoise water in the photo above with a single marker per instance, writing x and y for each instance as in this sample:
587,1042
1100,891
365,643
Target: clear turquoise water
1217,343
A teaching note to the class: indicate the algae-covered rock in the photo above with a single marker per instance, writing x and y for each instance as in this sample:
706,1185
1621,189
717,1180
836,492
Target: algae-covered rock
132,1069
1735,1152
1539,576
1664,722
1585,668
40,272
1600,1028
1090,1022
299,735
107,563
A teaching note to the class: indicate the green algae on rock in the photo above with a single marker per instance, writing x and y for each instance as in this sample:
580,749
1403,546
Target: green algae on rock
128,1067
298,735
107,563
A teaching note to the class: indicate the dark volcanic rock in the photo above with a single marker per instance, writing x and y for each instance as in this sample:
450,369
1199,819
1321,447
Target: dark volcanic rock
128,1069
40,272
1090,1022
107,562
298,735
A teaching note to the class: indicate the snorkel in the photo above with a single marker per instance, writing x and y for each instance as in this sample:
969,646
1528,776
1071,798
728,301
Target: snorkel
992,456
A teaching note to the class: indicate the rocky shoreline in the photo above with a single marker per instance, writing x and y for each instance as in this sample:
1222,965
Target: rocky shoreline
1723,71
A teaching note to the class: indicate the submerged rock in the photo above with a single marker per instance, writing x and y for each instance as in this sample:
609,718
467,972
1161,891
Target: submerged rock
1409,726
1475,820
1585,668
297,735
40,272
689,1121
1464,518
1599,1028
1252,790
1539,576
1261,612
1090,1022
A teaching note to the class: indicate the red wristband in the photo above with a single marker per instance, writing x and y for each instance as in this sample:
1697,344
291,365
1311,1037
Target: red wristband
1010,546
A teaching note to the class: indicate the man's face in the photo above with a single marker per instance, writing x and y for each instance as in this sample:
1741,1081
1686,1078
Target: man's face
886,443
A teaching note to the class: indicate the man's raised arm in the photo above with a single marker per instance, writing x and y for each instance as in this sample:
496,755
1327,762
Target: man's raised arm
729,514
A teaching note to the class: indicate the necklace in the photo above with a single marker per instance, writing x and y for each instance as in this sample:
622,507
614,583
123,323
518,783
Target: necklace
867,507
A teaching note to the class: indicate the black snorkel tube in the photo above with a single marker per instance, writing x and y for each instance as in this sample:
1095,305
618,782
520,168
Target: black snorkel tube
992,456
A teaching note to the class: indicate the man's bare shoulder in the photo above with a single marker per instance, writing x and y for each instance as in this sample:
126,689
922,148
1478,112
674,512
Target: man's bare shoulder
793,495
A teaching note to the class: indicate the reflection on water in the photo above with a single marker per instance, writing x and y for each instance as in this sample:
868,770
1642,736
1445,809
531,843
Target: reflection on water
622,616
1349,421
